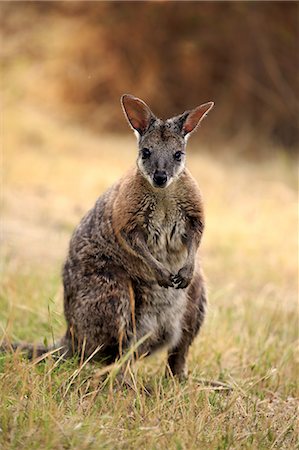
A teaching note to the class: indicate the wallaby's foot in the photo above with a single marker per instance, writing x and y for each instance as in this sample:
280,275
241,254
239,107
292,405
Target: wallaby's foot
177,362
127,383
179,371
124,380
129,386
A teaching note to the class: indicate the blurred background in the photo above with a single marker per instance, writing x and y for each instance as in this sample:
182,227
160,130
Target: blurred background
65,139
75,59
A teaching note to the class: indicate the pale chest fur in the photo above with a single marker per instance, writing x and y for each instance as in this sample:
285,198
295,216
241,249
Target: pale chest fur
160,317
165,227
162,309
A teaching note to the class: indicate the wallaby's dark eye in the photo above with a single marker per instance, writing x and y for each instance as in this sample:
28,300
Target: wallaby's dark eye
146,153
178,156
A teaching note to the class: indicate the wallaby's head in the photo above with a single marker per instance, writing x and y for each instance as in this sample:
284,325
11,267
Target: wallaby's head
162,144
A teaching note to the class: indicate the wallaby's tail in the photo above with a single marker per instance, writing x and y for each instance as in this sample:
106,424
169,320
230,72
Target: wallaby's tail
33,351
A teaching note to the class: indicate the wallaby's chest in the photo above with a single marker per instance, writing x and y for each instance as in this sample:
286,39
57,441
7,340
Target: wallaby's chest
165,226
159,315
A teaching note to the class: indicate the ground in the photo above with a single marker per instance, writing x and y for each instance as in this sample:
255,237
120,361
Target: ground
53,173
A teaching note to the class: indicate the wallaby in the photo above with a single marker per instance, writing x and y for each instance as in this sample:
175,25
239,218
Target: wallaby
131,268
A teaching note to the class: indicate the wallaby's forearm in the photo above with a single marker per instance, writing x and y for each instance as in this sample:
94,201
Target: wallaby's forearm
191,239
141,248
136,240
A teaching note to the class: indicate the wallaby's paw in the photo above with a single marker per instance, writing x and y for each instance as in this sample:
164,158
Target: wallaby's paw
183,278
165,283
164,279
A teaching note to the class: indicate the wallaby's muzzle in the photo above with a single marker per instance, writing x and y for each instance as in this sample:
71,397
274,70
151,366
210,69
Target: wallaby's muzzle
160,178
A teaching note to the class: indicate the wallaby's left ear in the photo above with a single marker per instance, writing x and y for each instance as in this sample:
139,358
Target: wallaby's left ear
190,120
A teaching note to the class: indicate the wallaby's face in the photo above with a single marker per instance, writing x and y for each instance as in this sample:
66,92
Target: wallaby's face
161,156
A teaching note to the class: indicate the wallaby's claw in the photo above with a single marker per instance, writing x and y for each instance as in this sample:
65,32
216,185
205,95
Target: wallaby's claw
165,283
164,278
181,280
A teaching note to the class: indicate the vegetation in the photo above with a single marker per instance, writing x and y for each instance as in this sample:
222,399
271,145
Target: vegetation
54,173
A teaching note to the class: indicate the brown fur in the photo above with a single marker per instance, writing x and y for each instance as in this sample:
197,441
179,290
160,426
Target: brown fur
131,268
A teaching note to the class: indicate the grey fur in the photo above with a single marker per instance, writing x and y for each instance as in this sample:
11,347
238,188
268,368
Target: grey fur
131,268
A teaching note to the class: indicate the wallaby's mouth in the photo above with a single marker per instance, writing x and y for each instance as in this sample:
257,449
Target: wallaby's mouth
160,186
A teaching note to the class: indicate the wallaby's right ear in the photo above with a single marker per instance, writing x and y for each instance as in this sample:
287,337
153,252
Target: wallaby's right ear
137,112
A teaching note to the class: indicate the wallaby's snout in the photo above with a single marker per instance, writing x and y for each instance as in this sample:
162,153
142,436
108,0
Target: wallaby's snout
162,144
160,178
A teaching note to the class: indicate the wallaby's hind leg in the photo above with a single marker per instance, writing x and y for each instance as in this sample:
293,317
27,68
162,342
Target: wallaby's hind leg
192,321
99,316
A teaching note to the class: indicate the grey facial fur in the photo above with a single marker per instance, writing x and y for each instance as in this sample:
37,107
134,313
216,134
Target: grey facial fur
164,143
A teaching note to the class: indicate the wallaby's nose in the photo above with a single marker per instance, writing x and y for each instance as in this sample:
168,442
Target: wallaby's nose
160,178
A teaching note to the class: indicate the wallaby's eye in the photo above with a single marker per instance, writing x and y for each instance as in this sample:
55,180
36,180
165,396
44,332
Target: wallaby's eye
146,153
178,156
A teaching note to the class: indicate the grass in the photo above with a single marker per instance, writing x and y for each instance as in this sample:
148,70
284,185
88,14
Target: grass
53,173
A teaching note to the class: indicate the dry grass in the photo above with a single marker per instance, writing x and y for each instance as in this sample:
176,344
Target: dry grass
53,173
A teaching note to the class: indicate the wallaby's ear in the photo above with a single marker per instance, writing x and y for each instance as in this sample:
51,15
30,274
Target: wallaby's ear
190,120
137,112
